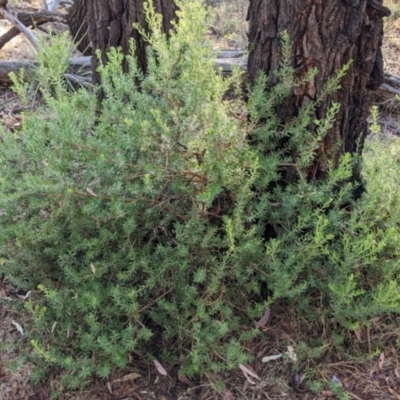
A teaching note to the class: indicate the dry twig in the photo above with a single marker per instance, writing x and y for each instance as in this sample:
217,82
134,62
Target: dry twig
30,36
28,20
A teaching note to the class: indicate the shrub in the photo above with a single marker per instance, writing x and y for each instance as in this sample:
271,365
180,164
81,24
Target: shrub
141,222
128,219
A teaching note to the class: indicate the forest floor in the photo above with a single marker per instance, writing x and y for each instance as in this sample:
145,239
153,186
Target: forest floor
373,374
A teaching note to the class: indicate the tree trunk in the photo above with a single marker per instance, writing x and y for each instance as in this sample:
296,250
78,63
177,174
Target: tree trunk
110,24
325,34
77,21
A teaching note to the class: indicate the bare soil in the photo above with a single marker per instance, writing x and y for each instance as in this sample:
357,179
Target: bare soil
391,47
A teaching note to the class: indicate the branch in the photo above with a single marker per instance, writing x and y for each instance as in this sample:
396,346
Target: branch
78,66
31,19
30,36
380,7
86,82
79,71
51,5
82,65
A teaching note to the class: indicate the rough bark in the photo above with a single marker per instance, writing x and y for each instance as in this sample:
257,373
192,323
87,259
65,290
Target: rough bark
325,34
108,23
77,21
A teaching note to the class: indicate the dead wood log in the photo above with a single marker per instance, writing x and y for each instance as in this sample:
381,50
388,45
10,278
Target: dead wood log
31,19
389,89
224,62
21,27
6,67
80,66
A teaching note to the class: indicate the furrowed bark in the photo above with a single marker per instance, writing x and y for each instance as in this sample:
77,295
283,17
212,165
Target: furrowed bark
326,35
110,24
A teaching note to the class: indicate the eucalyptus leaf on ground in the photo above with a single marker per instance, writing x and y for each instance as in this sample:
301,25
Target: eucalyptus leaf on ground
271,358
18,326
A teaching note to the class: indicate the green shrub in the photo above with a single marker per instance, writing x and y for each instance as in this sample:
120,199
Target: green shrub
128,219
141,224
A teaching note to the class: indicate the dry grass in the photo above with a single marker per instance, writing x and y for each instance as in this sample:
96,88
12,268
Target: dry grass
391,43
228,25
394,6
15,382
366,364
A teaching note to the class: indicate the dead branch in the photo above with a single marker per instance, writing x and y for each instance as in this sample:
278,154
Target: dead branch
80,71
86,82
6,67
30,36
31,19
80,66
51,5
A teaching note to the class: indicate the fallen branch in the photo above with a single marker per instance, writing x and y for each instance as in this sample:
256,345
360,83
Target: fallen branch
227,60
80,66
390,87
86,82
51,5
80,72
31,19
30,36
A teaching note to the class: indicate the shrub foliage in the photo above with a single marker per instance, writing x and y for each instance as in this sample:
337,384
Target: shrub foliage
142,223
